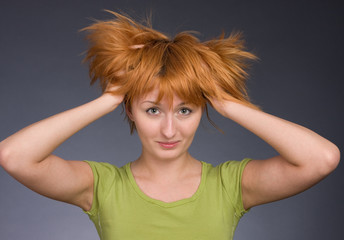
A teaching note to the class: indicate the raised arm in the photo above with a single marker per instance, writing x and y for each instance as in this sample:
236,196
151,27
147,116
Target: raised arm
26,155
305,157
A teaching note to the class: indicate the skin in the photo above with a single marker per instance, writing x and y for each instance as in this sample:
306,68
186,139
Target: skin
164,172
26,155
305,157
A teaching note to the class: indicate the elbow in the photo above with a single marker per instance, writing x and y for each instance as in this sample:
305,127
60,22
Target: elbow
6,161
330,159
3,157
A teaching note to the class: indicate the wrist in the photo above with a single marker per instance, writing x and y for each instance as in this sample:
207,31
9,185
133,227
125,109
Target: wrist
110,101
223,107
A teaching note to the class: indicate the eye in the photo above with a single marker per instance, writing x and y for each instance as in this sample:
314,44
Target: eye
185,111
152,111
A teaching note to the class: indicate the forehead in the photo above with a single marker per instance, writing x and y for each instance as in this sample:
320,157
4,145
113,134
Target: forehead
153,96
166,91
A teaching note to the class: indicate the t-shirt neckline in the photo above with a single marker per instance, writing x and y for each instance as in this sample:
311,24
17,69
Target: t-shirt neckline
162,203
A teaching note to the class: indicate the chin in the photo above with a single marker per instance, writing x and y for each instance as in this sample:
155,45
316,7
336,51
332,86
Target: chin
171,154
166,154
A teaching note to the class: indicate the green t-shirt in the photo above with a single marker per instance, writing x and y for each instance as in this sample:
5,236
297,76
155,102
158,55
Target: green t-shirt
121,211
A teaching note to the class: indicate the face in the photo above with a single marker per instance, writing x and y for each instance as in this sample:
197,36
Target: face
165,132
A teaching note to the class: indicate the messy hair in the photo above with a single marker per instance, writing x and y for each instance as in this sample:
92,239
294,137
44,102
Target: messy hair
138,59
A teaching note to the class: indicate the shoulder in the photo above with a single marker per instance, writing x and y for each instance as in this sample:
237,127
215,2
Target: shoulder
106,177
104,169
232,166
229,172
101,165
226,177
230,175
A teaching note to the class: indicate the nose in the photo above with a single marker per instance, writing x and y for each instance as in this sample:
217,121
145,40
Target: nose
168,126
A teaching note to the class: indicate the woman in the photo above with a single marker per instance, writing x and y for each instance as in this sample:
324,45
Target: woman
165,86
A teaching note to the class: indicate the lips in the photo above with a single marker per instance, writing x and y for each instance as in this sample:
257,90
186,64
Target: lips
168,145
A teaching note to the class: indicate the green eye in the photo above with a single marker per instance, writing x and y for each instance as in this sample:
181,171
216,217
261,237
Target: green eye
152,111
185,111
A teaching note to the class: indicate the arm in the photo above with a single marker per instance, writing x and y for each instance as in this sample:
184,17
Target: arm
305,157
26,155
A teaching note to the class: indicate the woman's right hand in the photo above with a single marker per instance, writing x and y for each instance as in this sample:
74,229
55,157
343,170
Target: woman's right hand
110,93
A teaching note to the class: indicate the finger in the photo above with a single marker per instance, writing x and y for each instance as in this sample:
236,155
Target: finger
120,73
137,46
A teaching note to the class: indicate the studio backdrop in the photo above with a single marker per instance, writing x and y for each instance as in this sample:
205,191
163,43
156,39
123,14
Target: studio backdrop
298,77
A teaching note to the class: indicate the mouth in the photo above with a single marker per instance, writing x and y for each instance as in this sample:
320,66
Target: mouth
168,145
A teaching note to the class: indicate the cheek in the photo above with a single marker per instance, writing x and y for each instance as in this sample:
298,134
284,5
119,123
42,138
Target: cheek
146,128
141,128
189,128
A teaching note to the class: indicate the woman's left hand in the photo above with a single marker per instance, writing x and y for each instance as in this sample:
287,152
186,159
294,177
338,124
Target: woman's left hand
219,105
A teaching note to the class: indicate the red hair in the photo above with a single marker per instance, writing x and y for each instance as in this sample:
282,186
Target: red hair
138,58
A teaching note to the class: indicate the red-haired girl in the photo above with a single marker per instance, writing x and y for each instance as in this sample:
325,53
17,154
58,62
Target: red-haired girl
165,85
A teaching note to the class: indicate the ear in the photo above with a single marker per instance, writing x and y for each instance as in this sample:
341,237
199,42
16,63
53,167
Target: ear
129,113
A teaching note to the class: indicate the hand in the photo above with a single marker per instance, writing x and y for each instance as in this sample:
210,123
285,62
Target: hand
137,46
220,105
111,92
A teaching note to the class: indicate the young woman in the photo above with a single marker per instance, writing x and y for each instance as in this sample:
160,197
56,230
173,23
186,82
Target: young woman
165,193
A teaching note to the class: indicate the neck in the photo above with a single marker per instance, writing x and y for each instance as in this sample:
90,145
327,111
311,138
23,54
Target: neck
164,169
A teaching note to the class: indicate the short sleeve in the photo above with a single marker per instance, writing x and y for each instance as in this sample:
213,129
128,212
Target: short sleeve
103,179
231,176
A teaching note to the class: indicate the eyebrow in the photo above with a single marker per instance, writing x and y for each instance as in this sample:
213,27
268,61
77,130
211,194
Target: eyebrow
153,102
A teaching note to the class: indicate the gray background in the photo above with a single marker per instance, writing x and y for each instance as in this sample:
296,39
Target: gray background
299,78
